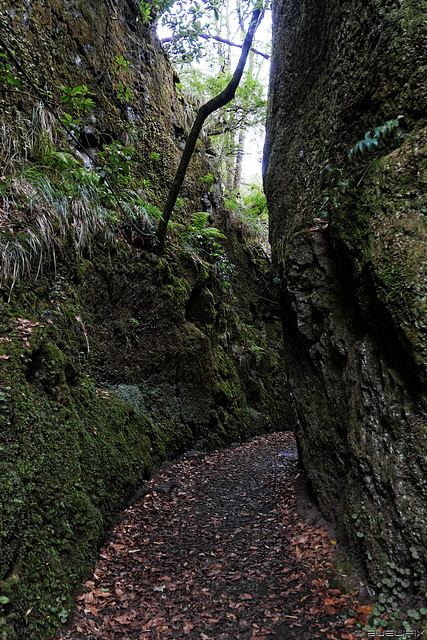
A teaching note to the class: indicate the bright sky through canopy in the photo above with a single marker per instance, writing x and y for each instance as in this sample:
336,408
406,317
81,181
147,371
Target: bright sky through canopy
254,142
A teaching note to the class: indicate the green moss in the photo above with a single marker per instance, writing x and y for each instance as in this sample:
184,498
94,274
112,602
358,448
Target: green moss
382,225
85,417
71,455
70,467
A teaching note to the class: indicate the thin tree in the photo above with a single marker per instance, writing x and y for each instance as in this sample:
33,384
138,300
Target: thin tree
205,110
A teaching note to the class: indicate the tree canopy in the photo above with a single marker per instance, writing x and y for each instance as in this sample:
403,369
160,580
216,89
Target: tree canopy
224,97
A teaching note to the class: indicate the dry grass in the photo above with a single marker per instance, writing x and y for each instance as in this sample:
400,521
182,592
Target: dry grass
252,229
46,195
40,207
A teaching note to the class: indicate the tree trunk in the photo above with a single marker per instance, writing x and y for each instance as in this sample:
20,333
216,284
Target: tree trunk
205,110
239,159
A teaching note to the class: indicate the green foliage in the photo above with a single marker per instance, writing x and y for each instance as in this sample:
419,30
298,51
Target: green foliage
197,233
121,63
249,351
46,203
79,101
341,183
255,201
187,24
207,179
123,93
148,11
209,33
62,161
248,213
375,137
202,240
330,196
7,73
193,24
77,97
116,163
248,106
145,11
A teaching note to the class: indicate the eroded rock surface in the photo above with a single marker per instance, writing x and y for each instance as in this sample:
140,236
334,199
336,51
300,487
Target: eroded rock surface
353,295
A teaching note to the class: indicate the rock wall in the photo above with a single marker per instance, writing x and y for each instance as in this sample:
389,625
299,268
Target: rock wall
109,366
73,43
353,293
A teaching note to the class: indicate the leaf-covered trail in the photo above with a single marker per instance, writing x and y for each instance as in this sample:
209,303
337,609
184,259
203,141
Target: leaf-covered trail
224,555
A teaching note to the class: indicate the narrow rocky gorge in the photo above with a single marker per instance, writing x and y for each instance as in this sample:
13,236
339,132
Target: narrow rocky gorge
115,359
112,358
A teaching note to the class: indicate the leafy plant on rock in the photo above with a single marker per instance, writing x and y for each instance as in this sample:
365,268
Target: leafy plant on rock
376,137
340,184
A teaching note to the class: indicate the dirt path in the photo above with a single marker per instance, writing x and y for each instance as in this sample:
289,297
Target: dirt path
221,554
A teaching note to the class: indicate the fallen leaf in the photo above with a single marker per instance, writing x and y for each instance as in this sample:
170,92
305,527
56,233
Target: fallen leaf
124,619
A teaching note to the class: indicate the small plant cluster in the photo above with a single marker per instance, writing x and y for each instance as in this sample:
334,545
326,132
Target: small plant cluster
393,589
376,137
248,351
197,234
116,161
248,213
389,611
203,239
332,196
123,92
208,179
79,101
7,74
357,520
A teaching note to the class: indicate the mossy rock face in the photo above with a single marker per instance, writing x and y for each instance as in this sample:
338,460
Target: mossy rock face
339,70
74,44
353,296
138,359
70,458
390,252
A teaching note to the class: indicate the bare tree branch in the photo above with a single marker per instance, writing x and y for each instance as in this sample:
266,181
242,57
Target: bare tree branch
219,39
